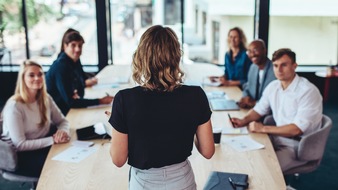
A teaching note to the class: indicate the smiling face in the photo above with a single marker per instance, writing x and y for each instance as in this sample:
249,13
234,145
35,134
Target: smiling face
33,78
256,53
234,39
73,49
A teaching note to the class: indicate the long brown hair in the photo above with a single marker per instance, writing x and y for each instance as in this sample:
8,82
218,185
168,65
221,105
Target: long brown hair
157,58
242,37
21,91
69,36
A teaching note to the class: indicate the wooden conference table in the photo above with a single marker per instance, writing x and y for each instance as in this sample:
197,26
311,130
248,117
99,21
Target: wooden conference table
98,172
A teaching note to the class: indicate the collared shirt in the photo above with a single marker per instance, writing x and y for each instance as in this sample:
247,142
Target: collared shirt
258,80
239,68
300,104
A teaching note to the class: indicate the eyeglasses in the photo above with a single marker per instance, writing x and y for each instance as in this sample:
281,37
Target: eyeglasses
254,51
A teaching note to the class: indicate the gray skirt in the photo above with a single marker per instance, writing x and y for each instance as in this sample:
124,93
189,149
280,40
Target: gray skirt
174,177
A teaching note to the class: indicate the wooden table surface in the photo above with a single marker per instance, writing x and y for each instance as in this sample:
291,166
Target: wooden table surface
98,172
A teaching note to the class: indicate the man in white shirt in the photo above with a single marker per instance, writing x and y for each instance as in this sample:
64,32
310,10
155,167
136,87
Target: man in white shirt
296,106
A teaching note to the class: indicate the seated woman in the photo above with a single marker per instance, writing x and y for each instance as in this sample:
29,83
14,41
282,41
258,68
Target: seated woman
236,61
66,79
29,120
154,124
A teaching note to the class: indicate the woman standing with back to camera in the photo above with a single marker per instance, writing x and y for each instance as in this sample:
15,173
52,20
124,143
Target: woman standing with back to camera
154,124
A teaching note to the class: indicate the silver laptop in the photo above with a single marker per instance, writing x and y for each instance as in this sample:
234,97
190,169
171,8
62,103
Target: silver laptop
223,105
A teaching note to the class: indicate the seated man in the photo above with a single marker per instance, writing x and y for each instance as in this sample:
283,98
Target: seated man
259,76
296,105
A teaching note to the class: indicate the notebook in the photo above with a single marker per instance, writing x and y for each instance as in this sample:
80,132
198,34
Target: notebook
220,181
223,104
97,131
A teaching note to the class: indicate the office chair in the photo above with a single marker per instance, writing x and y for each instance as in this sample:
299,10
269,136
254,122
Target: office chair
311,147
9,161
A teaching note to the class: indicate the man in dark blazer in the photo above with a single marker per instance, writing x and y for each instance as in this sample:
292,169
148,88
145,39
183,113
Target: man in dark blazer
259,76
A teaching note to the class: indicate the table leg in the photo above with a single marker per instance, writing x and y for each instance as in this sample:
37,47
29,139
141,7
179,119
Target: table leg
326,89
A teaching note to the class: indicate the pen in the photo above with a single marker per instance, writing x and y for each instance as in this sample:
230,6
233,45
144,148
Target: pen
107,94
232,123
233,185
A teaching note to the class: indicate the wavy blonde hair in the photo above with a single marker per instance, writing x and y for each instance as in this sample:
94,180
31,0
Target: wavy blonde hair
156,60
21,91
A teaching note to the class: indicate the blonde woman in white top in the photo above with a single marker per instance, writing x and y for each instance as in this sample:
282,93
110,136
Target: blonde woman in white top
29,117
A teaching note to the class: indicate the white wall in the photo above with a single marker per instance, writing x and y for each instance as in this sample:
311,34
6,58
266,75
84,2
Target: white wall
305,26
314,39
226,23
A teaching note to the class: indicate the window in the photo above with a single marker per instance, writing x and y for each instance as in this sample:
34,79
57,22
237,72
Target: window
215,42
196,19
172,12
131,19
209,44
47,21
204,27
12,36
308,28
46,28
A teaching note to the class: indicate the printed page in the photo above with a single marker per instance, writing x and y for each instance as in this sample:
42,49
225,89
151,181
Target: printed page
235,131
74,154
243,143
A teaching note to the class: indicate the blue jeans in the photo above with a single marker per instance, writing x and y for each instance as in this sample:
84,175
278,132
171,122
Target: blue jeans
174,177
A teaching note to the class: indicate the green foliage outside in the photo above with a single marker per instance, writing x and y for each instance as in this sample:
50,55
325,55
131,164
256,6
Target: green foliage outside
11,15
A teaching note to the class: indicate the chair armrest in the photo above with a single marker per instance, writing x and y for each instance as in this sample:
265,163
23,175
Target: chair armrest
8,156
269,120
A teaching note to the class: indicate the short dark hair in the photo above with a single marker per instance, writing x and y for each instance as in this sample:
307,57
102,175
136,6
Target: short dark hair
284,51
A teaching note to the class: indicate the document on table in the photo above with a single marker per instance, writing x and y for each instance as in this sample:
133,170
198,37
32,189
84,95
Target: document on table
243,143
118,80
211,83
100,106
74,154
235,131
105,86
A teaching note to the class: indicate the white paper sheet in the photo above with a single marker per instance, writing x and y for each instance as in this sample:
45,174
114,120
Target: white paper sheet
243,143
74,154
118,80
83,144
235,131
105,86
